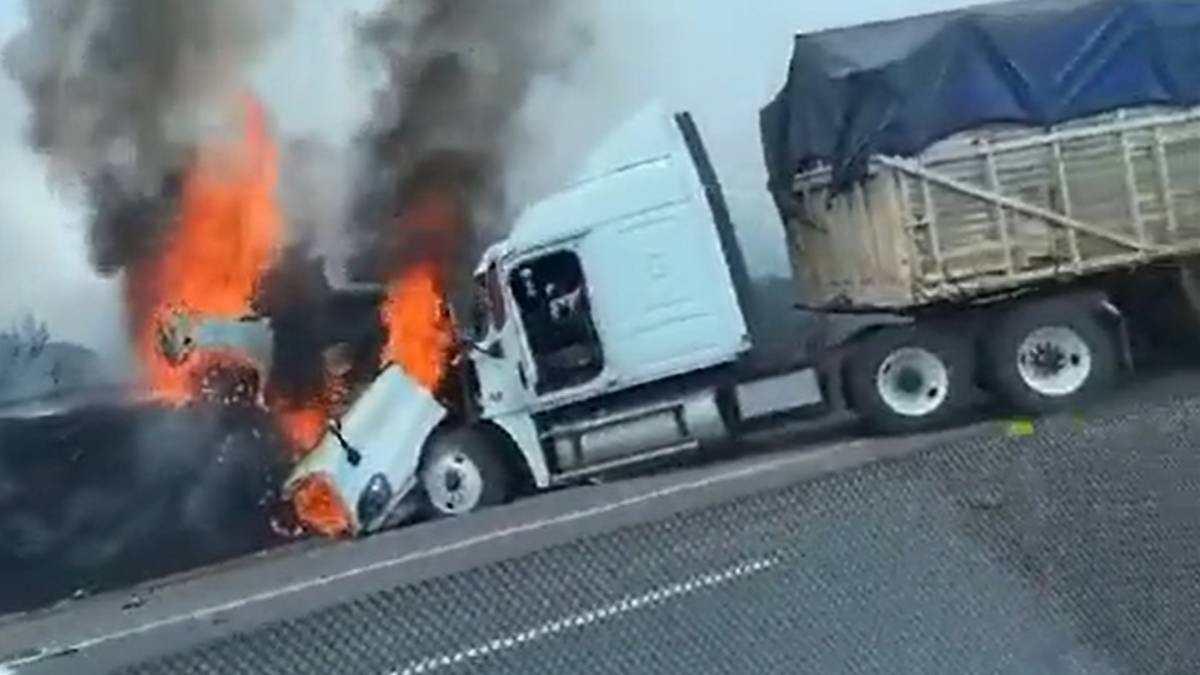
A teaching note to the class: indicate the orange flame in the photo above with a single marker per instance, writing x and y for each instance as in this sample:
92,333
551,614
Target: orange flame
318,506
227,234
304,422
419,333
419,340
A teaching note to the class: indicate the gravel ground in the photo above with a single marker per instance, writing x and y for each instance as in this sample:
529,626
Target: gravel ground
1073,548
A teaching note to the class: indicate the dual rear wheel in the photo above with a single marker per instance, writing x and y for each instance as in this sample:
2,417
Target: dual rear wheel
1035,359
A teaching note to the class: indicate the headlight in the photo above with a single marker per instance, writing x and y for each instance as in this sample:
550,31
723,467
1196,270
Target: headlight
319,507
374,500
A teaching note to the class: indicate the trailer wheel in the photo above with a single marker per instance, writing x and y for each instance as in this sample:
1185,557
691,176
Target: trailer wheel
463,472
910,379
1046,357
1184,325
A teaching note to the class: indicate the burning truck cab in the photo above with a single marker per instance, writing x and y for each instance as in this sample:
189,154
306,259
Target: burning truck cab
607,331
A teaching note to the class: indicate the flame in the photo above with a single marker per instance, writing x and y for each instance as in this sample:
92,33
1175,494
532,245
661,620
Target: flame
304,422
318,506
315,502
420,338
420,335
226,235
419,332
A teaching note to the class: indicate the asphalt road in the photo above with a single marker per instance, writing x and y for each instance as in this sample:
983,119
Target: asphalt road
1069,548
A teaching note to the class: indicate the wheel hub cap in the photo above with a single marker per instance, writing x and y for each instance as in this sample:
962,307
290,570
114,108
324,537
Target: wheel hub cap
913,382
1054,361
910,381
454,484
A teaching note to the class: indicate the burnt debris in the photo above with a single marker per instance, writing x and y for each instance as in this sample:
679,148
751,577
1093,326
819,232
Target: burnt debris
110,495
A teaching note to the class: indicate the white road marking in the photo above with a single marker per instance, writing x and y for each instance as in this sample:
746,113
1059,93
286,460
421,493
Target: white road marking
204,613
626,605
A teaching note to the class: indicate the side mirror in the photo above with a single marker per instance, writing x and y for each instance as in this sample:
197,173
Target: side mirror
493,350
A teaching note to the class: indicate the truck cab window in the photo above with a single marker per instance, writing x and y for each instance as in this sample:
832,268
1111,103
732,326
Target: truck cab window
479,309
494,286
553,301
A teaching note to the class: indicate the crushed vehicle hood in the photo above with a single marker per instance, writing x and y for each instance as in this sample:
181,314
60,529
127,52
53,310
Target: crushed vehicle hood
382,434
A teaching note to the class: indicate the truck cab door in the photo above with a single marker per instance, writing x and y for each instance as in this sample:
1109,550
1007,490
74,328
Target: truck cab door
500,360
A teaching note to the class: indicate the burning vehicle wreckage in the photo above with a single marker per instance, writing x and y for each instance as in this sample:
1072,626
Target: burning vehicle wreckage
240,350
247,363
352,387
247,323
465,409
105,479
399,405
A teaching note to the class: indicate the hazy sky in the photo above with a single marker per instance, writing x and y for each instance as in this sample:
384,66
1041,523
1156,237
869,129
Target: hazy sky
721,59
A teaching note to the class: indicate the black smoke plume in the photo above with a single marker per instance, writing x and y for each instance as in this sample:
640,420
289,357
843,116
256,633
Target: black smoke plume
123,91
446,120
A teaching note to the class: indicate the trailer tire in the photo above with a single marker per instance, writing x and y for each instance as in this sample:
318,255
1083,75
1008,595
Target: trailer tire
1050,356
1184,324
463,472
908,379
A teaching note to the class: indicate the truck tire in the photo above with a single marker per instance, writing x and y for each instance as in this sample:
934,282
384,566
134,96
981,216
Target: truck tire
1050,356
908,379
1186,326
463,472
1164,311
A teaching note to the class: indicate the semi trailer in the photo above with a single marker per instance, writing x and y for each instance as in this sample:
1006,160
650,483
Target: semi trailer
971,188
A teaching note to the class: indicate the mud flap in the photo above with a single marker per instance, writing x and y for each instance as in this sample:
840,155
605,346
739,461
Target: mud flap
1115,319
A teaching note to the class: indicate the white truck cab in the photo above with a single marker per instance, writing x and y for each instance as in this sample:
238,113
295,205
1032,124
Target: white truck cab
608,329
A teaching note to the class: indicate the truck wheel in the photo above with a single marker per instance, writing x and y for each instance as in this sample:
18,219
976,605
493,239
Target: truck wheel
463,472
1185,324
1046,357
904,380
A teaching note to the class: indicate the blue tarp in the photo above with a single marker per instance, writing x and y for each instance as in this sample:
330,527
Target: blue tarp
896,88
